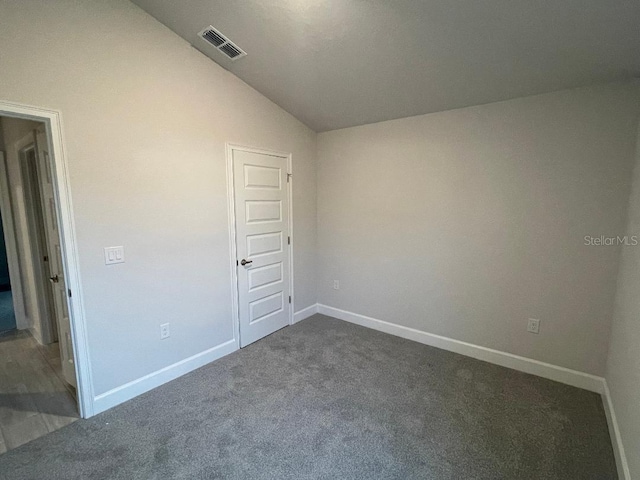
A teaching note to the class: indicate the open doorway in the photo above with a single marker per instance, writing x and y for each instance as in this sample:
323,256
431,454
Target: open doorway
7,314
37,375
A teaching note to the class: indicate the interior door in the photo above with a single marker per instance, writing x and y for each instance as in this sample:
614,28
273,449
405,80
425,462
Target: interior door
262,243
56,270
44,313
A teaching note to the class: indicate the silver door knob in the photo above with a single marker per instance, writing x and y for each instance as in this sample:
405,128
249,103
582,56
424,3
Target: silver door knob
244,262
54,279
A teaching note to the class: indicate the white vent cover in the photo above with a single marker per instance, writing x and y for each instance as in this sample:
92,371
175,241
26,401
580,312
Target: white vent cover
222,43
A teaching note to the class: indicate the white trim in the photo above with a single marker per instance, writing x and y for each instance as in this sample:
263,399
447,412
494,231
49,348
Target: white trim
305,313
509,360
616,438
235,313
290,194
125,392
230,147
55,134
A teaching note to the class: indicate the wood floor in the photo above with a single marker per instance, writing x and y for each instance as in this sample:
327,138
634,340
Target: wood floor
34,400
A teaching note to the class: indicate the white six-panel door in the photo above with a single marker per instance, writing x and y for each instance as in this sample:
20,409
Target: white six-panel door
262,243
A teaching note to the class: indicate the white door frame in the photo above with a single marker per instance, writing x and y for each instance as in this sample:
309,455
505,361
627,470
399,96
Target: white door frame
230,147
52,120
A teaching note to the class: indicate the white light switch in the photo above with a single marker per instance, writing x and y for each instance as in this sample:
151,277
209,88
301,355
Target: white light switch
113,255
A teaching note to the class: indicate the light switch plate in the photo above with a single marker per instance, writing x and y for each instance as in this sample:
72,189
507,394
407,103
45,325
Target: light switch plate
113,255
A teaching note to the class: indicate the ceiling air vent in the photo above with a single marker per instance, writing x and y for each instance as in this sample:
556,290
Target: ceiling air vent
222,43
213,37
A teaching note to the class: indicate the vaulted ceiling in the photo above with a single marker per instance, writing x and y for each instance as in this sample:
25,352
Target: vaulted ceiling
340,63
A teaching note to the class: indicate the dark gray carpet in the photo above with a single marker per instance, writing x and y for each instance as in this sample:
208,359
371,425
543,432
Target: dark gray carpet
327,399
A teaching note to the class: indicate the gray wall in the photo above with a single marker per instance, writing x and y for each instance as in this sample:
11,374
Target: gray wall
146,118
623,366
468,222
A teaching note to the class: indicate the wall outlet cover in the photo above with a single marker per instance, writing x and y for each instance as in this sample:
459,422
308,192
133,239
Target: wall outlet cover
164,331
533,325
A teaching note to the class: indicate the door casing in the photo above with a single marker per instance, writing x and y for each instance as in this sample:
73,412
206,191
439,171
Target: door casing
232,230
52,120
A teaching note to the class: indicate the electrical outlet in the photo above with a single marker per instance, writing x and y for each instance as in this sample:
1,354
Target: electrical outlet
164,331
336,284
533,325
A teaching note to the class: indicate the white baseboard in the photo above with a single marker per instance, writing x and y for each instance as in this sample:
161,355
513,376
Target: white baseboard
546,370
574,378
141,385
125,392
305,313
616,438
37,335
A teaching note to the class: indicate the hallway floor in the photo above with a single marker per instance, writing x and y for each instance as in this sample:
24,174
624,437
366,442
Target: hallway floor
34,400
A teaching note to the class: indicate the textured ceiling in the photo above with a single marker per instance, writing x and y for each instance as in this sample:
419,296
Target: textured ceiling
340,63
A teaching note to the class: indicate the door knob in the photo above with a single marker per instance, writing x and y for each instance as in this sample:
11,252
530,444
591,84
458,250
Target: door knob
54,279
244,262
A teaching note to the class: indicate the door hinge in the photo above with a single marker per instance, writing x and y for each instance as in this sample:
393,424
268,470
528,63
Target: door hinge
289,175
288,240
289,298
45,258
237,263
69,292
